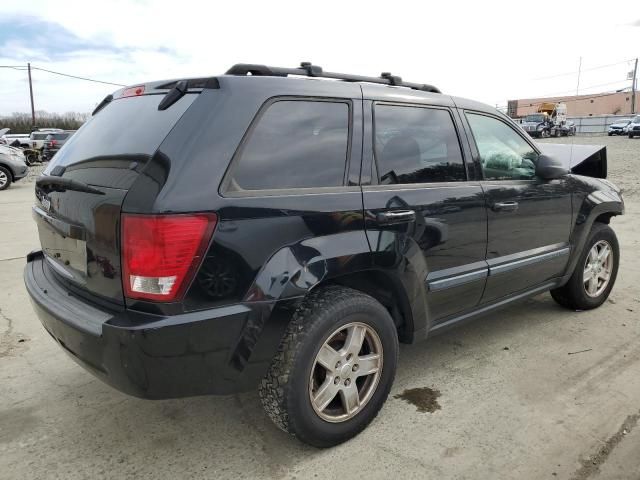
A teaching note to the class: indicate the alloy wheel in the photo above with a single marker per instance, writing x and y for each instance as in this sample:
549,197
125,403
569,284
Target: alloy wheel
346,372
3,179
598,268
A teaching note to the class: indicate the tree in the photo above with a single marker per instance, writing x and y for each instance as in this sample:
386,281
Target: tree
21,122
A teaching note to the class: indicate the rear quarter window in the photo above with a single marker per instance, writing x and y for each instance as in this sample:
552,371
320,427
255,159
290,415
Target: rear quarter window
293,144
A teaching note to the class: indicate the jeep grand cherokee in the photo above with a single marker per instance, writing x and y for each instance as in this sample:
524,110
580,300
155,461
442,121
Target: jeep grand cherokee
259,229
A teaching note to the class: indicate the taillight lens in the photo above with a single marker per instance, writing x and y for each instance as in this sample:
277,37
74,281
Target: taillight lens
160,253
53,142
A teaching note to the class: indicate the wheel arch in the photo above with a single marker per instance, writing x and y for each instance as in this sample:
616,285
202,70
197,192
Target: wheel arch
387,290
341,259
9,169
599,206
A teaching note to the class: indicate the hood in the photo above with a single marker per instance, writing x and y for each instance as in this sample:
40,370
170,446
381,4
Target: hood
588,160
619,124
12,151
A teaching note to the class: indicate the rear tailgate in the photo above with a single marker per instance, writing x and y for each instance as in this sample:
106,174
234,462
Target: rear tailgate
80,195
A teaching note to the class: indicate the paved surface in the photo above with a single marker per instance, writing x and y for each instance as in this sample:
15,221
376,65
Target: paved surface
514,402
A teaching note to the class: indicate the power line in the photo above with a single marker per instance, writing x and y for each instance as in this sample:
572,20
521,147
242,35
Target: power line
78,78
569,100
24,68
583,70
14,67
581,88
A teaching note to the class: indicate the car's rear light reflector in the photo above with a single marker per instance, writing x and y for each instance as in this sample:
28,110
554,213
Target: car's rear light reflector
161,253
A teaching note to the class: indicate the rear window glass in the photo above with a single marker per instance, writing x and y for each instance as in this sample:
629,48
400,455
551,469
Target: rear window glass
39,136
417,145
58,136
294,144
127,126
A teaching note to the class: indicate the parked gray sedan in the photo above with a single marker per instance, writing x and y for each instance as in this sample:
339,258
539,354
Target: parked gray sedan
12,166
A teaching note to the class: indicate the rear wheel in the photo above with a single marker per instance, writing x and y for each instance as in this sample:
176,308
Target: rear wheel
5,178
334,368
595,272
630,135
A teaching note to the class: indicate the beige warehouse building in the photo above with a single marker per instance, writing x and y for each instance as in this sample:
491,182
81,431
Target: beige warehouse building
618,103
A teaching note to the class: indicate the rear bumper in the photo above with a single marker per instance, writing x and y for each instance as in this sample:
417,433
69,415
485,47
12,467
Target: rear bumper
48,153
217,351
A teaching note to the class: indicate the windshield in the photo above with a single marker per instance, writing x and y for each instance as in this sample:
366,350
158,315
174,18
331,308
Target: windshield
636,119
57,136
534,118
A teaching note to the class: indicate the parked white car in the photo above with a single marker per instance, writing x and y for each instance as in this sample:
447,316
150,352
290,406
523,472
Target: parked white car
22,138
618,128
633,129
37,137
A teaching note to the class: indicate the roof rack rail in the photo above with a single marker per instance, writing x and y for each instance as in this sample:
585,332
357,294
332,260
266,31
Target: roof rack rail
306,69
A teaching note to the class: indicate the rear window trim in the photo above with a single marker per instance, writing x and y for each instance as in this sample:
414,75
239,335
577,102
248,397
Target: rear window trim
376,168
223,188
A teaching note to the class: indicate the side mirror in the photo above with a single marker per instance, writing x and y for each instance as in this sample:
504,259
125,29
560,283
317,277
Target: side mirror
550,168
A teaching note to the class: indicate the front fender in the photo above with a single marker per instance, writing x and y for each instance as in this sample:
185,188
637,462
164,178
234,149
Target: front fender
591,206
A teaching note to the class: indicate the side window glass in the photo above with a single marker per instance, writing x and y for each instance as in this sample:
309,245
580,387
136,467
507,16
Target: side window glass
503,153
295,144
417,145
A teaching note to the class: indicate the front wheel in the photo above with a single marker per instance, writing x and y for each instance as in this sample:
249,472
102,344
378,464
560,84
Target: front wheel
334,368
594,274
5,178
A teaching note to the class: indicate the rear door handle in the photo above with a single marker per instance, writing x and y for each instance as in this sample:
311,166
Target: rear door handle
395,217
505,207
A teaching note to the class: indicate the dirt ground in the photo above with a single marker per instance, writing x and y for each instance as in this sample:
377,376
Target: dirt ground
531,392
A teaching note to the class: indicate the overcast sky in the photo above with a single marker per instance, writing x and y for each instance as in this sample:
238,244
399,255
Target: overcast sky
490,51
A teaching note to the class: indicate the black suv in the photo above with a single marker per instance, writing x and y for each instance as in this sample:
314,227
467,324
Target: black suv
53,143
210,235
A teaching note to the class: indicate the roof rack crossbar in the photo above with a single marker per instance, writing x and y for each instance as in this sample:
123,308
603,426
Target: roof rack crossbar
307,69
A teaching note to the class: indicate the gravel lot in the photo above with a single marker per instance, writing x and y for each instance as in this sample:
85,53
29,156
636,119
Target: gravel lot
516,401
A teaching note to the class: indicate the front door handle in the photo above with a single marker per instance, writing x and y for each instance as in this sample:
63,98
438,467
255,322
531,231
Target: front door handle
395,217
505,207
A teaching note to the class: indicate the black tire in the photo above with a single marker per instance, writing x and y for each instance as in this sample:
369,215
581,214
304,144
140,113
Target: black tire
5,178
630,135
285,390
573,295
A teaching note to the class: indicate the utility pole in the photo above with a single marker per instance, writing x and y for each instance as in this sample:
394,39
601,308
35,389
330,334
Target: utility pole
633,88
579,71
33,110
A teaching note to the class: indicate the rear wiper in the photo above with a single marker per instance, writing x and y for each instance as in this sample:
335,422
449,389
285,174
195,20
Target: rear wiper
107,100
59,184
175,94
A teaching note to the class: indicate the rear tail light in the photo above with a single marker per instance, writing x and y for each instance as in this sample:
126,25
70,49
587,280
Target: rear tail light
53,143
161,253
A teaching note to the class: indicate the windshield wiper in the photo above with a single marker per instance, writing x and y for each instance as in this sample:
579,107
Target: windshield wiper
59,184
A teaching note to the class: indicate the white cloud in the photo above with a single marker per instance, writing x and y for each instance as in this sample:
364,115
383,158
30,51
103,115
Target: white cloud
490,51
